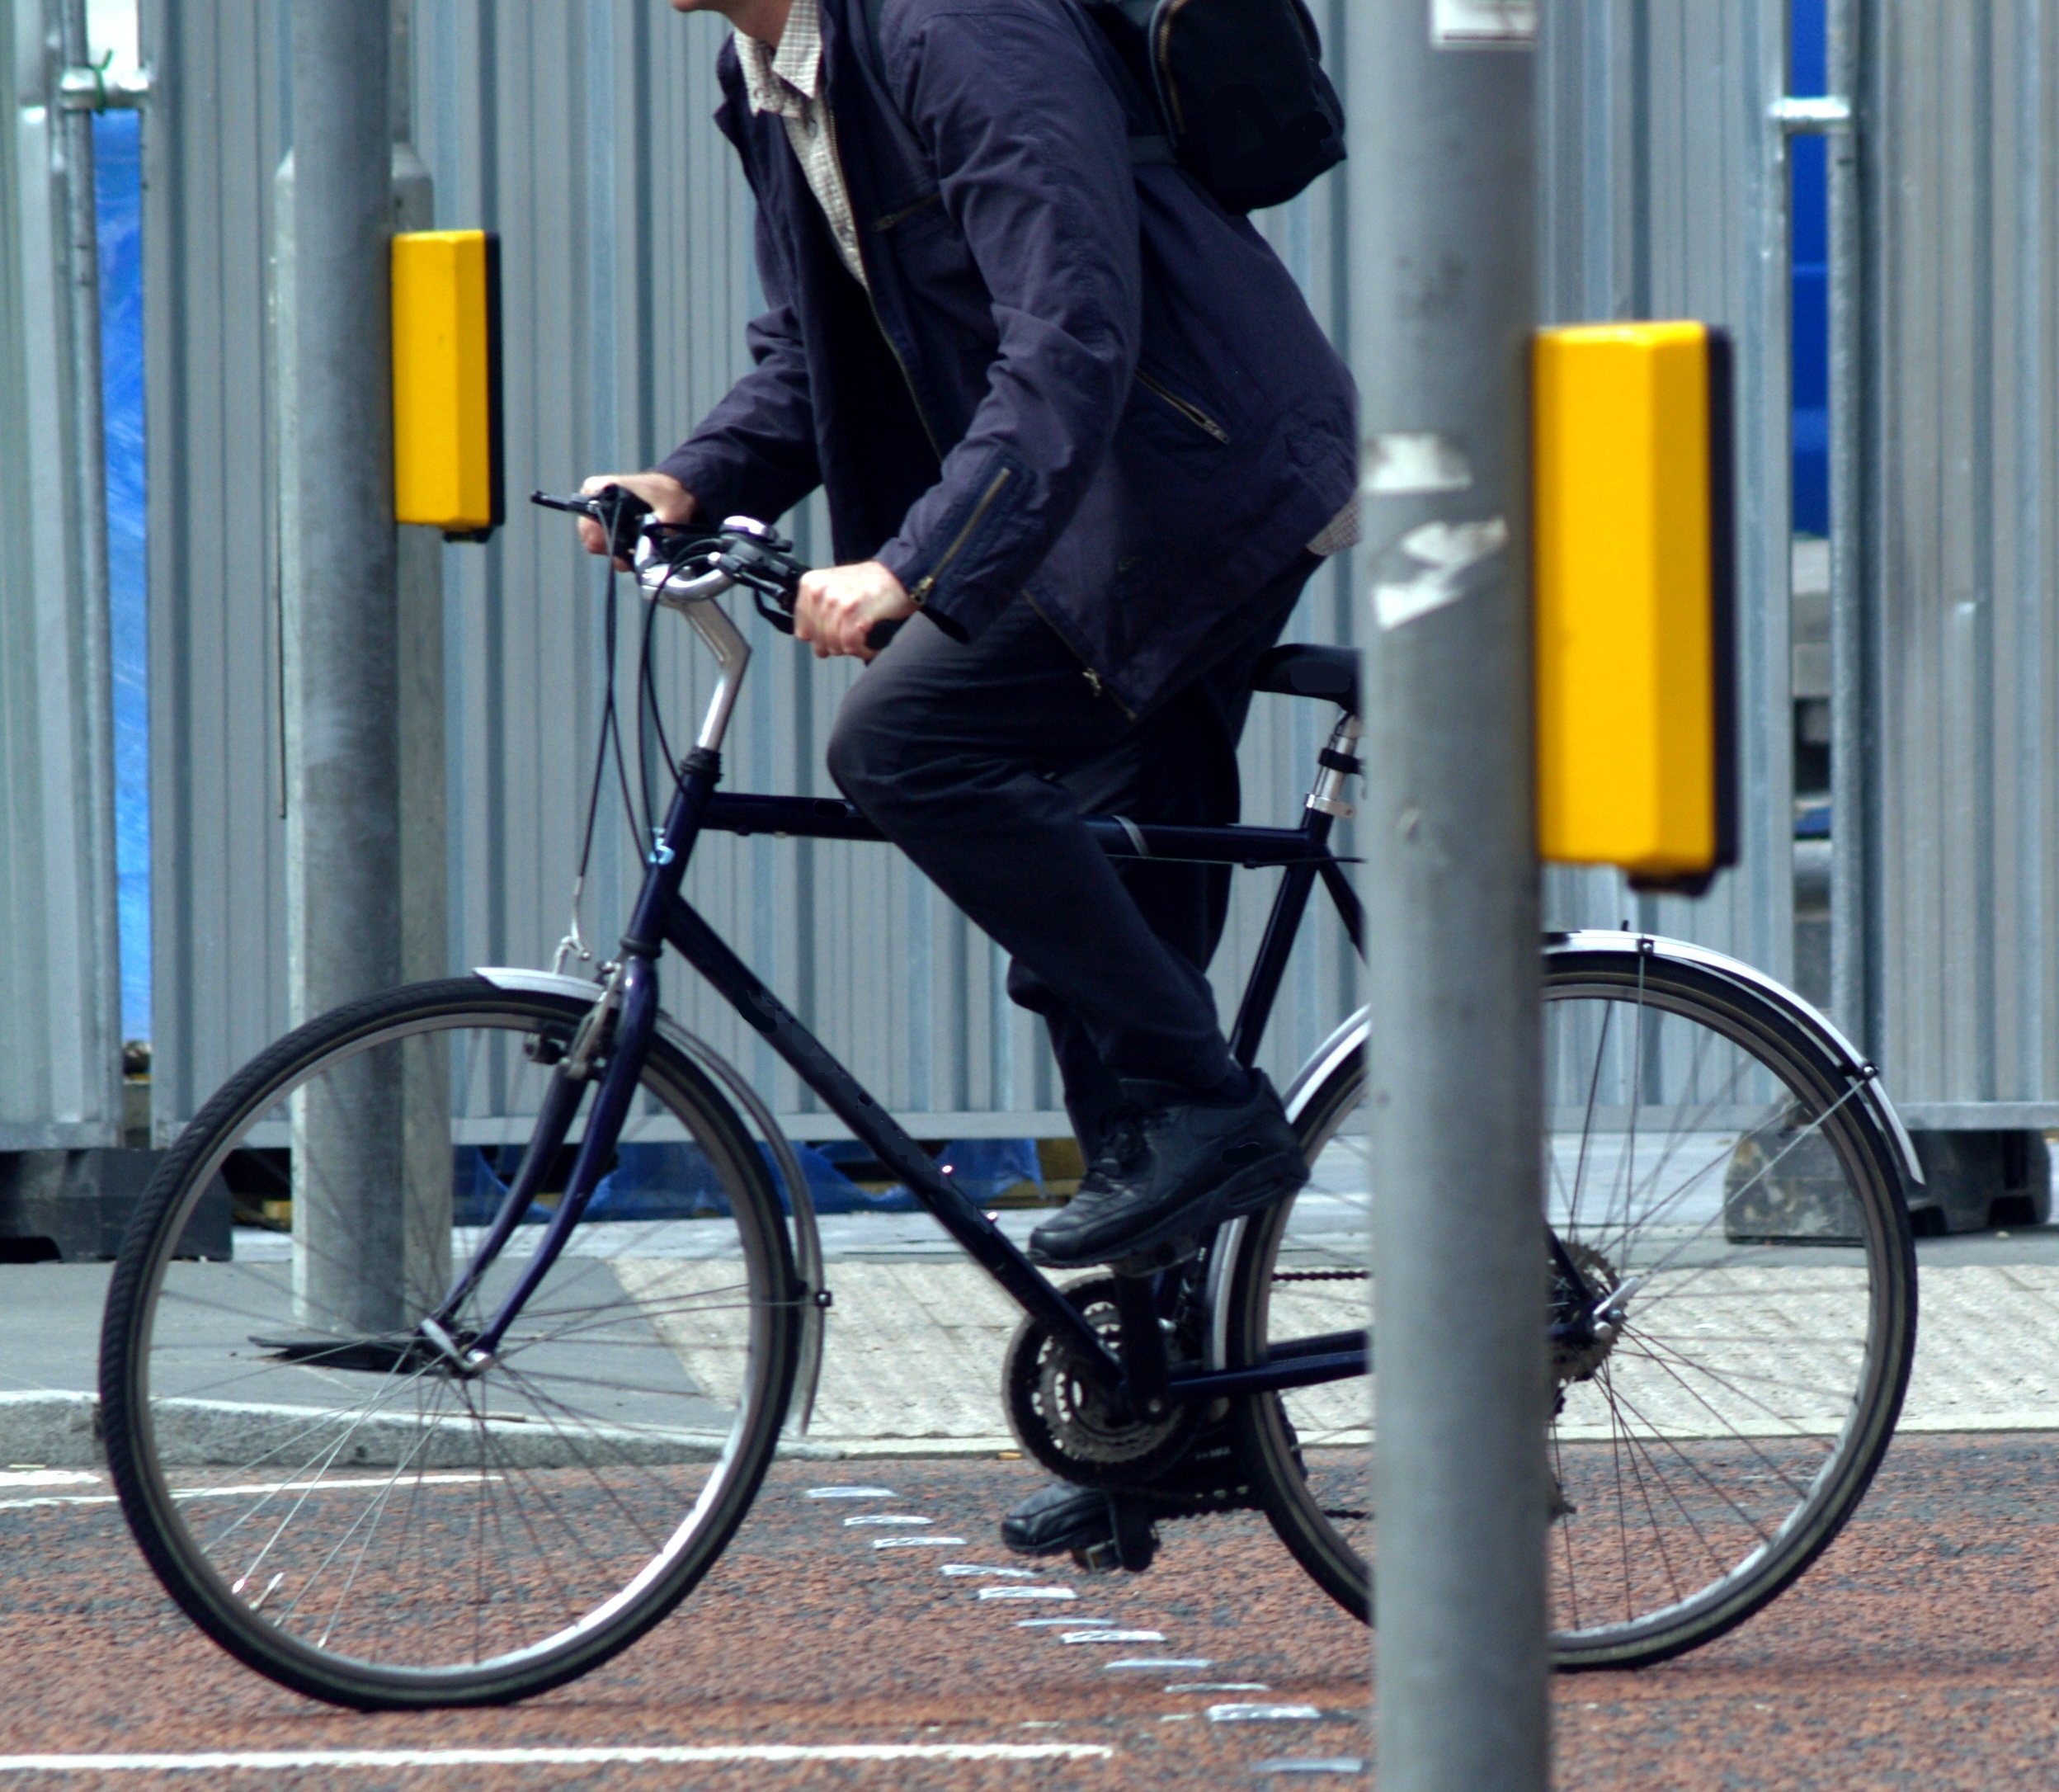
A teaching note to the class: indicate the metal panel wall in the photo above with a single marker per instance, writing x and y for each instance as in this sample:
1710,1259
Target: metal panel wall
583,134
1957,141
1665,196
60,1014
211,146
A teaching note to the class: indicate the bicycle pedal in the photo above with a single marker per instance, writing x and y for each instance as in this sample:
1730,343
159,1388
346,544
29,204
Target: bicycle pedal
1159,1257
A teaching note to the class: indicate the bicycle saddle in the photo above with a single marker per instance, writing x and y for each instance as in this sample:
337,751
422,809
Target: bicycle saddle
1300,671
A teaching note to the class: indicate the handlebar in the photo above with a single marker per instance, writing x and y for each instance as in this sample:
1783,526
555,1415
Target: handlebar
680,564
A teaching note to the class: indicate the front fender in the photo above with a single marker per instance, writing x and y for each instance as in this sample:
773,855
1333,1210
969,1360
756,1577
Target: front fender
806,1237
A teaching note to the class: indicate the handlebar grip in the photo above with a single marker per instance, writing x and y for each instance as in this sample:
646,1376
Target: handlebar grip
621,512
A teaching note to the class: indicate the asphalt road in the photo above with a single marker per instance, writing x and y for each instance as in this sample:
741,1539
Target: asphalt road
1922,1651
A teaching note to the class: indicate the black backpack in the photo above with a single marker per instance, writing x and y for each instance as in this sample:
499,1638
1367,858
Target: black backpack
1237,86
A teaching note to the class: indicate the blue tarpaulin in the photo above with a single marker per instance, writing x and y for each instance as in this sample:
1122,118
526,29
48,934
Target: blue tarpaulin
118,186
677,1182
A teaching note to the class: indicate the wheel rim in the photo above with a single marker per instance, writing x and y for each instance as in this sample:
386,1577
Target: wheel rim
1708,1445
344,1504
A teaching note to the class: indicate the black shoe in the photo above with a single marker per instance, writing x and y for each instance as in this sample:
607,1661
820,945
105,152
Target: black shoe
1171,1168
1056,1518
1060,1518
1102,1532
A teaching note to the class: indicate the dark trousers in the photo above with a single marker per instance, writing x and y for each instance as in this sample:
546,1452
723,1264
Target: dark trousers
977,759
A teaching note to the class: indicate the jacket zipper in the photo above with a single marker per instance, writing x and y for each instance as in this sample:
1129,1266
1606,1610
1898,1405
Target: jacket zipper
1193,413
879,323
906,212
1159,51
927,583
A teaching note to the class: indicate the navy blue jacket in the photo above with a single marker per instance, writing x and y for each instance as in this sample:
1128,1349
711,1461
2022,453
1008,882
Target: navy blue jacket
1074,378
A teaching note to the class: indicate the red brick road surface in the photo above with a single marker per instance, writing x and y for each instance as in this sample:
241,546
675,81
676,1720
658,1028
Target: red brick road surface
1922,1652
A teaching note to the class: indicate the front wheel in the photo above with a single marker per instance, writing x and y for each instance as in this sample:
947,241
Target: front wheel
1706,1156
354,1512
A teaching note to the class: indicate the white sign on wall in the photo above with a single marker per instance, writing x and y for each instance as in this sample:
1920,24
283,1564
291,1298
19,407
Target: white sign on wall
1482,24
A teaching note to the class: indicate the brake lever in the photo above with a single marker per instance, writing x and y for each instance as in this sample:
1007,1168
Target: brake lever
616,508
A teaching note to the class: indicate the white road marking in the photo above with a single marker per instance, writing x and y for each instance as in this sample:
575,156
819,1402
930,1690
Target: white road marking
285,1760
1264,1713
852,1493
1219,1686
1157,1661
963,1568
918,1543
327,1485
49,1477
1045,1624
1026,1592
1113,1636
886,1518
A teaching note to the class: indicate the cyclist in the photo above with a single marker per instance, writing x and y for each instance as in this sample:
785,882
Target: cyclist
1082,440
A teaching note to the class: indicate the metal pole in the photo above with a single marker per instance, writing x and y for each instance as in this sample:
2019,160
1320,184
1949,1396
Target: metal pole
342,694
1443,186
88,474
1851,957
424,839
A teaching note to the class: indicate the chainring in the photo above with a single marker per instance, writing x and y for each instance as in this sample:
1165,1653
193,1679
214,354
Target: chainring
1063,1421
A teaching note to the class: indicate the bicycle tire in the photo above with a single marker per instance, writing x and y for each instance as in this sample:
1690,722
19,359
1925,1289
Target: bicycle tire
1742,1454
338,1508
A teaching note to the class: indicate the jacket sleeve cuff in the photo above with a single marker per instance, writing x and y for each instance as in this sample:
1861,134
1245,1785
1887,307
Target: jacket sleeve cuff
901,558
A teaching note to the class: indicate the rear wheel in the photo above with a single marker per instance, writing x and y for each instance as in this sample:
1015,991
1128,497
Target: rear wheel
1712,1165
326,1494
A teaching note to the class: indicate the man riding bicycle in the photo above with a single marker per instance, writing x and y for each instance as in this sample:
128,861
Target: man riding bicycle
1083,442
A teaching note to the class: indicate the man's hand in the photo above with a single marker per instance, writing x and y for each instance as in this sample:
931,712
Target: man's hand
837,607
670,502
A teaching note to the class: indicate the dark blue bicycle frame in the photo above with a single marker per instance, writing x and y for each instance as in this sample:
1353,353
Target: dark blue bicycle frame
663,917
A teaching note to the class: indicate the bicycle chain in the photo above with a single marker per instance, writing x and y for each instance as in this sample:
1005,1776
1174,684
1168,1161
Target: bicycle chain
1319,1275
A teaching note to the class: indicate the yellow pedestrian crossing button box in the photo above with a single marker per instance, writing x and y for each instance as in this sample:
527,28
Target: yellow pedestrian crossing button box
1636,711
447,382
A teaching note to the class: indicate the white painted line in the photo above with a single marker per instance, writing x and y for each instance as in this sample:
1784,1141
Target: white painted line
1158,1661
327,1484
963,1569
1264,1713
886,1518
49,1477
1026,1592
1331,1764
1113,1636
918,1543
1219,1686
852,1493
283,1760
1046,1624
58,1499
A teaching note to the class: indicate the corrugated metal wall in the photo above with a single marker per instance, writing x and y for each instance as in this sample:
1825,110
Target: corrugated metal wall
1665,196
1958,142
211,144
60,1013
581,133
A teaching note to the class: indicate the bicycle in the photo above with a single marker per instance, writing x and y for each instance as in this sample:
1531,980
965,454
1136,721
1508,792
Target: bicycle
467,1489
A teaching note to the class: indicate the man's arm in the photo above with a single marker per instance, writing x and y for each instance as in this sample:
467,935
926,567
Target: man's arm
1032,154
754,454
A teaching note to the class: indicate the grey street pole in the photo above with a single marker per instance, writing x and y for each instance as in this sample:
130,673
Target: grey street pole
1443,188
424,839
342,677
